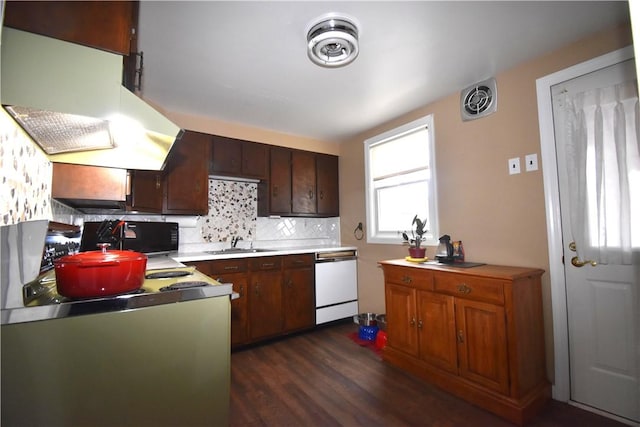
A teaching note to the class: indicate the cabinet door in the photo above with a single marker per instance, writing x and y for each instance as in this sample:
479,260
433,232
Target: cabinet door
88,182
482,344
298,294
265,297
255,160
280,181
106,25
186,176
146,191
327,176
226,156
436,323
303,182
402,333
239,324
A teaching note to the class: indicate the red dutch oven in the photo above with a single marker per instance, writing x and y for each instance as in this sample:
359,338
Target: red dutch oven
100,273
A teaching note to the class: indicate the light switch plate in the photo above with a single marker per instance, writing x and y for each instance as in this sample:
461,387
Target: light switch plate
514,166
531,162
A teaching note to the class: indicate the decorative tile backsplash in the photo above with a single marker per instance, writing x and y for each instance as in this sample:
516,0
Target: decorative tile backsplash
233,209
25,176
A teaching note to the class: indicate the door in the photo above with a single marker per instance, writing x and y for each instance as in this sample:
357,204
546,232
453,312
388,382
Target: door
603,317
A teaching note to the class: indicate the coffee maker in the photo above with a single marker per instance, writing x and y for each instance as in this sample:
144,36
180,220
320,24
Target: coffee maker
444,252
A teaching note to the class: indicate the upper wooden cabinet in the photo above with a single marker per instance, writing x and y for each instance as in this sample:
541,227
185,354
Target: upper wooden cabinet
186,178
301,183
327,185
235,157
182,188
279,199
107,25
89,186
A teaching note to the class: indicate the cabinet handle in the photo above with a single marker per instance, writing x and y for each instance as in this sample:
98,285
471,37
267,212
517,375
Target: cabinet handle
406,279
321,195
460,336
230,267
157,182
257,290
267,264
413,321
289,284
311,194
241,293
464,289
420,324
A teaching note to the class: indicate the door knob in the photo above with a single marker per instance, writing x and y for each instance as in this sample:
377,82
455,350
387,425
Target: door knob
575,261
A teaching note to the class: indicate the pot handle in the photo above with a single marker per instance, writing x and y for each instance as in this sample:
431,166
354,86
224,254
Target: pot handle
91,264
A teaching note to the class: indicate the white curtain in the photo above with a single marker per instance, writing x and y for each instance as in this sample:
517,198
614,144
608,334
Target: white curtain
603,165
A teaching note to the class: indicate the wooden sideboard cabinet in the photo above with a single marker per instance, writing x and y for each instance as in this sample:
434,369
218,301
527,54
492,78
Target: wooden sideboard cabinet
475,332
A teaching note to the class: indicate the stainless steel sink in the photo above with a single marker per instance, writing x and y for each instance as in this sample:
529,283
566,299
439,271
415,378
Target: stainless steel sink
237,251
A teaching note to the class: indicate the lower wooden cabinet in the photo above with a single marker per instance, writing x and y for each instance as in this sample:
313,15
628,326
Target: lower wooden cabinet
232,271
298,292
265,297
276,294
477,333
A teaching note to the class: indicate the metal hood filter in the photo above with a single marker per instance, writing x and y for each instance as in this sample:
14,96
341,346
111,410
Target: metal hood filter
70,100
332,41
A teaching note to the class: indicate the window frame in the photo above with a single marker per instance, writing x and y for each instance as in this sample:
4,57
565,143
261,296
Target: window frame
376,236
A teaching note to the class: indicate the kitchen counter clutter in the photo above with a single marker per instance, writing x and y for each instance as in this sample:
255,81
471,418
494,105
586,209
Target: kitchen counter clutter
475,332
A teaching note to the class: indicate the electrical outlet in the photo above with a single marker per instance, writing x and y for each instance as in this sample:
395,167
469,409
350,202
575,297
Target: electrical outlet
514,166
531,162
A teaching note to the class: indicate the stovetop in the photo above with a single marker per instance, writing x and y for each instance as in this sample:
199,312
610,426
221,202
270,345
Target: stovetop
42,302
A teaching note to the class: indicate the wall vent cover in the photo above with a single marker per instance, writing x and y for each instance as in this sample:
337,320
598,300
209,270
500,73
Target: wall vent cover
479,100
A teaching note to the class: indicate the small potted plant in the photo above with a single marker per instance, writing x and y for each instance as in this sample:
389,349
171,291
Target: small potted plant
417,231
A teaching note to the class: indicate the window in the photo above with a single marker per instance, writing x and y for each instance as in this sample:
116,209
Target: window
401,182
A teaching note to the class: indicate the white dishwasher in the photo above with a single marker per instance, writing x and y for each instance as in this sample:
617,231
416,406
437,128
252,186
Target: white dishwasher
336,285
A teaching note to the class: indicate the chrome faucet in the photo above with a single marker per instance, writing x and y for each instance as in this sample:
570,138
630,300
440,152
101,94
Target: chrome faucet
234,241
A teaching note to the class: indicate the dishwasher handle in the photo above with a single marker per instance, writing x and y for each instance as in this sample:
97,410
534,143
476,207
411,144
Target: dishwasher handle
335,256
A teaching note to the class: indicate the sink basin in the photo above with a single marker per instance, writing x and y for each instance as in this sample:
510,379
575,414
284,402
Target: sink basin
237,251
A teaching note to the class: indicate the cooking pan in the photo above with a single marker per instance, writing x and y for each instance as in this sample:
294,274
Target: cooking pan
100,273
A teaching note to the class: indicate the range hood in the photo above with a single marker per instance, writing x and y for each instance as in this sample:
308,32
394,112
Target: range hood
70,100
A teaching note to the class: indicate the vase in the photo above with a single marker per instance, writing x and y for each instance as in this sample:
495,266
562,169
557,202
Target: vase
417,253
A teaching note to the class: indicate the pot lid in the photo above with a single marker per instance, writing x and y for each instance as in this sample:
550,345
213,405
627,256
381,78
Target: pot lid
93,257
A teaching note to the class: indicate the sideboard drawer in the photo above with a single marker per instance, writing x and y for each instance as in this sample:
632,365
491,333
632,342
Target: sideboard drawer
416,277
470,287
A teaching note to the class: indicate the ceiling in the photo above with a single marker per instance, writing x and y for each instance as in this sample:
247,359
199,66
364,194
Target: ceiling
246,62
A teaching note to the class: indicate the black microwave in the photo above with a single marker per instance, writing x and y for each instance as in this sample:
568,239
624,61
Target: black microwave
140,236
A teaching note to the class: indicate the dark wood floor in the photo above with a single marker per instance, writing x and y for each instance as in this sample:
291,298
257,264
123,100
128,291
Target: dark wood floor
323,378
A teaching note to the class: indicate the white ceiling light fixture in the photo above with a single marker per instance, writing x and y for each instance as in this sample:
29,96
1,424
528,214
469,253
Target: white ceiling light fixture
332,41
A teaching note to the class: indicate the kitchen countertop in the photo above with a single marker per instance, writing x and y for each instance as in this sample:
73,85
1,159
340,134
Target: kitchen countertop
204,256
